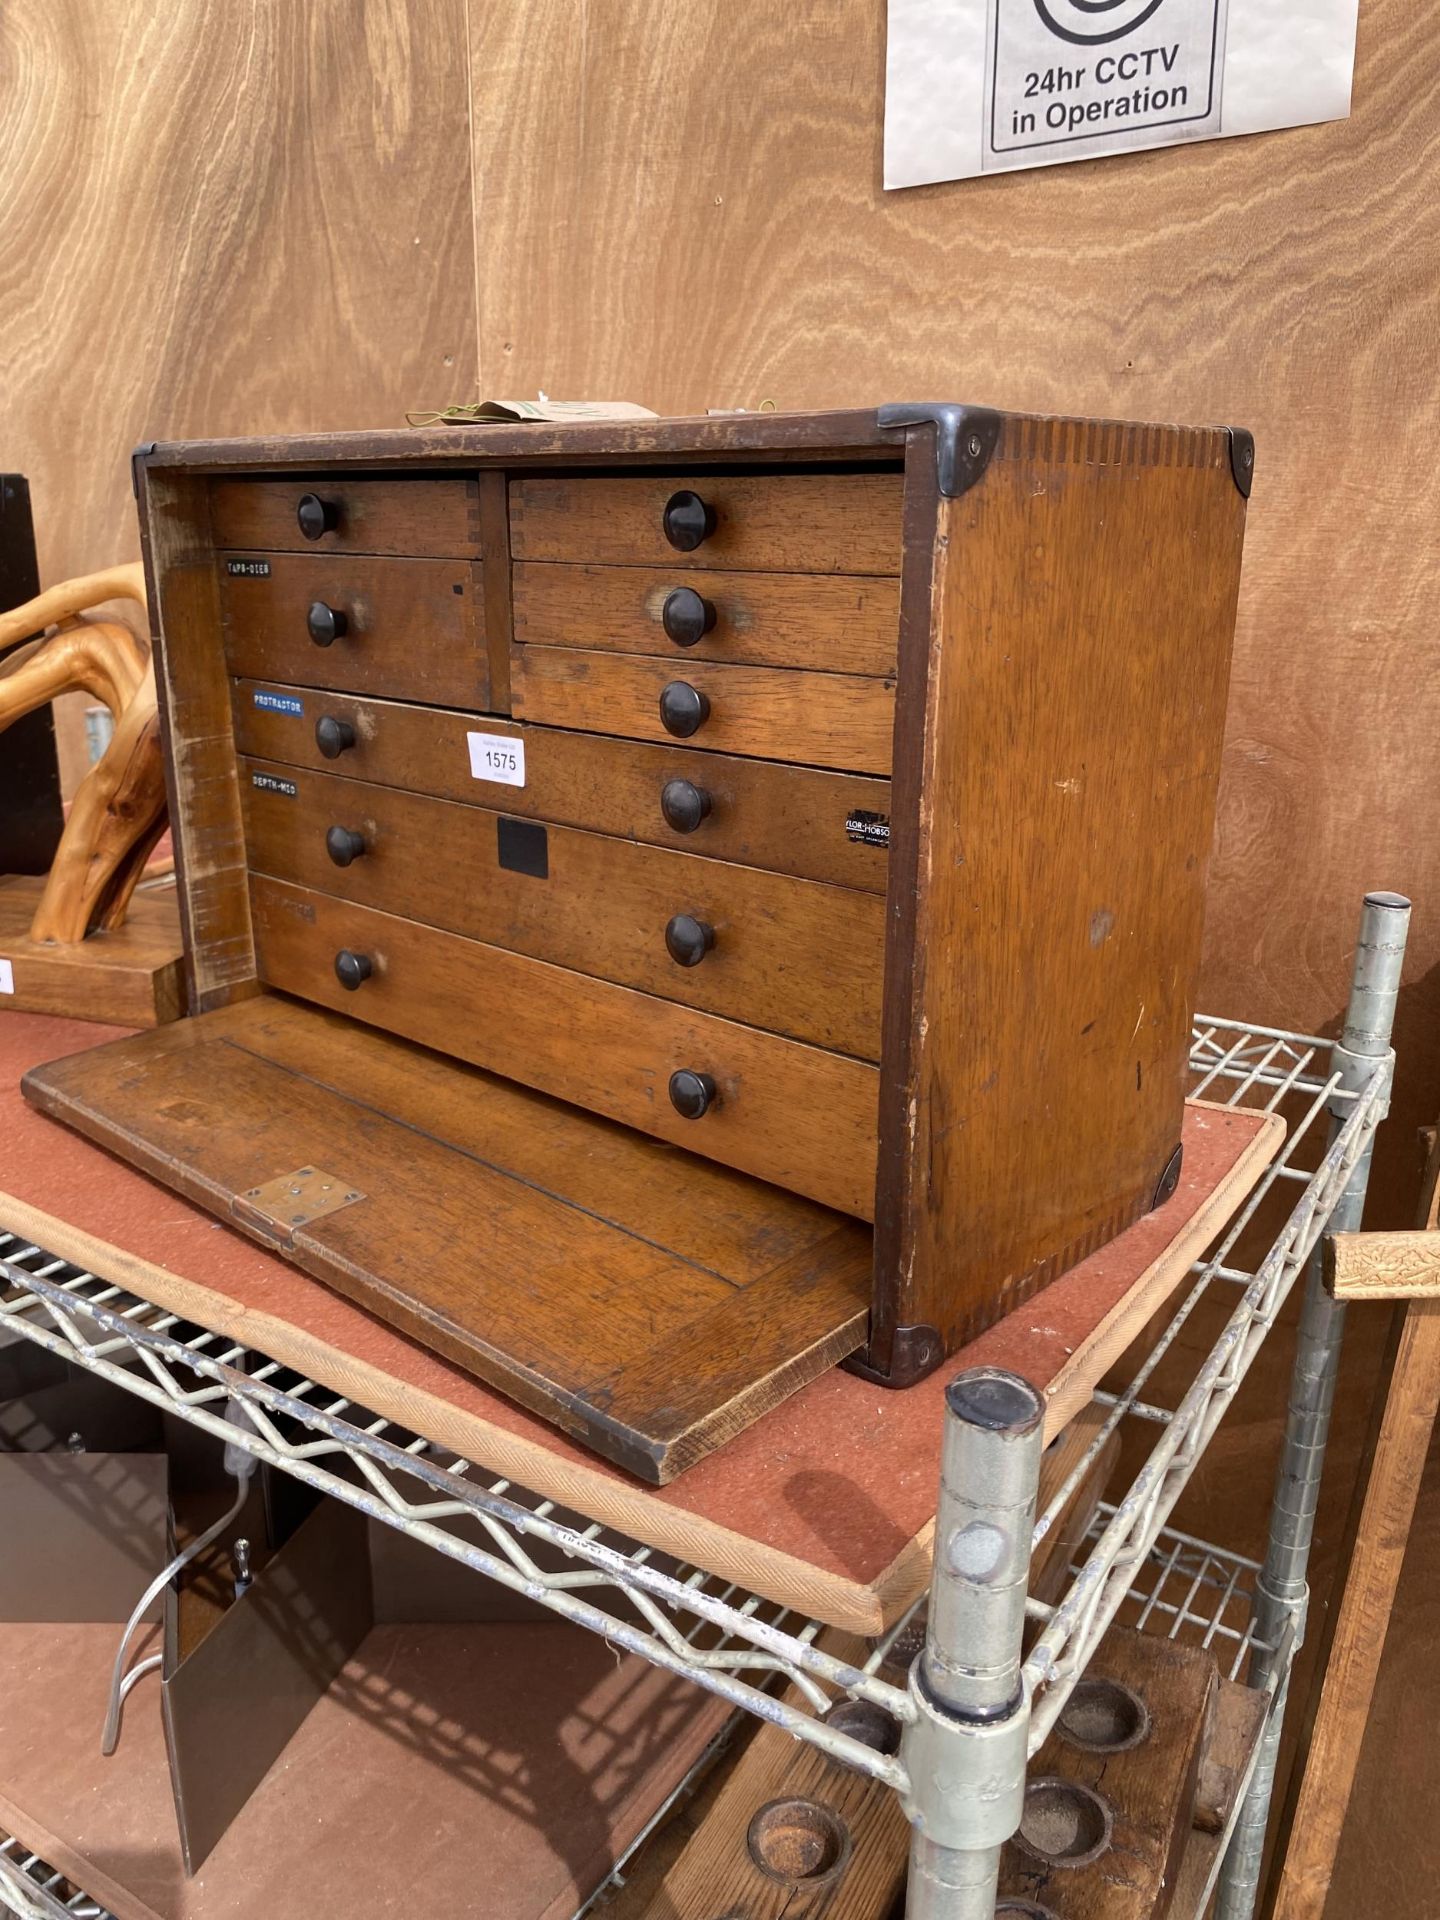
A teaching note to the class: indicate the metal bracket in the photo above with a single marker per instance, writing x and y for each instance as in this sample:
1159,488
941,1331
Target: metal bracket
142,452
1242,457
967,1777
274,1210
914,1352
1170,1178
965,438
1354,1069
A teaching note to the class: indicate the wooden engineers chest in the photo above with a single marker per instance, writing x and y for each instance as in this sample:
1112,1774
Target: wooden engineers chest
671,907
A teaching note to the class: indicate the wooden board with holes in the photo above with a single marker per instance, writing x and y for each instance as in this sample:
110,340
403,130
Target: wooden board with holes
841,1845
826,1504
1110,1797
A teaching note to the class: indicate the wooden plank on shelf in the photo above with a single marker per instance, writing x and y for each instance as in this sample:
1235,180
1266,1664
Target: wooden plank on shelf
1332,1731
1234,1730
826,1504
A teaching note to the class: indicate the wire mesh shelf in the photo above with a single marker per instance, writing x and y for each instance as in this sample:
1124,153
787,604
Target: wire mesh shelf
737,1644
31,1889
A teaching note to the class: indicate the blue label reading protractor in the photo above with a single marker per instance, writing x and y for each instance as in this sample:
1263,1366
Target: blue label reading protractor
278,702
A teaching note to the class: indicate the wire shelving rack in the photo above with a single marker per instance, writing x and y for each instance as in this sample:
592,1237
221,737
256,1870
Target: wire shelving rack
739,1644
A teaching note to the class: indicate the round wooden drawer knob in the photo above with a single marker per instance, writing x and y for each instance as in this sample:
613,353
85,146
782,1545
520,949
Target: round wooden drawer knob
687,616
692,1094
333,737
684,805
343,845
683,709
688,521
317,516
352,970
326,624
688,940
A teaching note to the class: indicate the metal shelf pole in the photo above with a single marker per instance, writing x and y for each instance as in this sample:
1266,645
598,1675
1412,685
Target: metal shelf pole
965,1750
1281,1592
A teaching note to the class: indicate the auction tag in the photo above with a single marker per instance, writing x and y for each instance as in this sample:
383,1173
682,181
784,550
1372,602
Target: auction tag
497,756
7,977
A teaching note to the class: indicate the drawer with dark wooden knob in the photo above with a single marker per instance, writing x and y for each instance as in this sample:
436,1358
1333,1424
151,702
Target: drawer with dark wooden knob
317,514
352,970
837,623
799,522
688,939
337,513
794,1114
692,1094
684,806
684,708
793,820
686,616
333,737
344,846
326,624
792,956
814,719
409,627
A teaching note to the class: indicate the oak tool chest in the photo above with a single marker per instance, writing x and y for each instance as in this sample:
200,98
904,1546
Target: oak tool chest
672,907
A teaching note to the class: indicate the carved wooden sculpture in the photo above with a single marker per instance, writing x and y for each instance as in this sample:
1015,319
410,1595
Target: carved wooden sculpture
119,811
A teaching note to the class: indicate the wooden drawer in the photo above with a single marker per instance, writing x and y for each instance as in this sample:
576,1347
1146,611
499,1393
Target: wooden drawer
411,628
361,516
817,719
798,820
793,522
836,623
788,955
791,1113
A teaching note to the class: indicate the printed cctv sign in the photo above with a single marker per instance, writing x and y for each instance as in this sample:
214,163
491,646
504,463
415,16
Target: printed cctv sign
1076,72
976,87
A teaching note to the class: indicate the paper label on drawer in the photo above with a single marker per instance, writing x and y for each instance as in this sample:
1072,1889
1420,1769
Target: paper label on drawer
496,756
278,702
868,829
7,977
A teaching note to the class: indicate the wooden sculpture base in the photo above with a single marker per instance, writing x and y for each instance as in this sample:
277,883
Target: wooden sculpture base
132,977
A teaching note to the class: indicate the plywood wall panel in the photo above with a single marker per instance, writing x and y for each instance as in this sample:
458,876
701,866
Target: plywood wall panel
222,218
680,204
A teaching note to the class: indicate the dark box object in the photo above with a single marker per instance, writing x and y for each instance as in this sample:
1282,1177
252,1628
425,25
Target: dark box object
31,818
